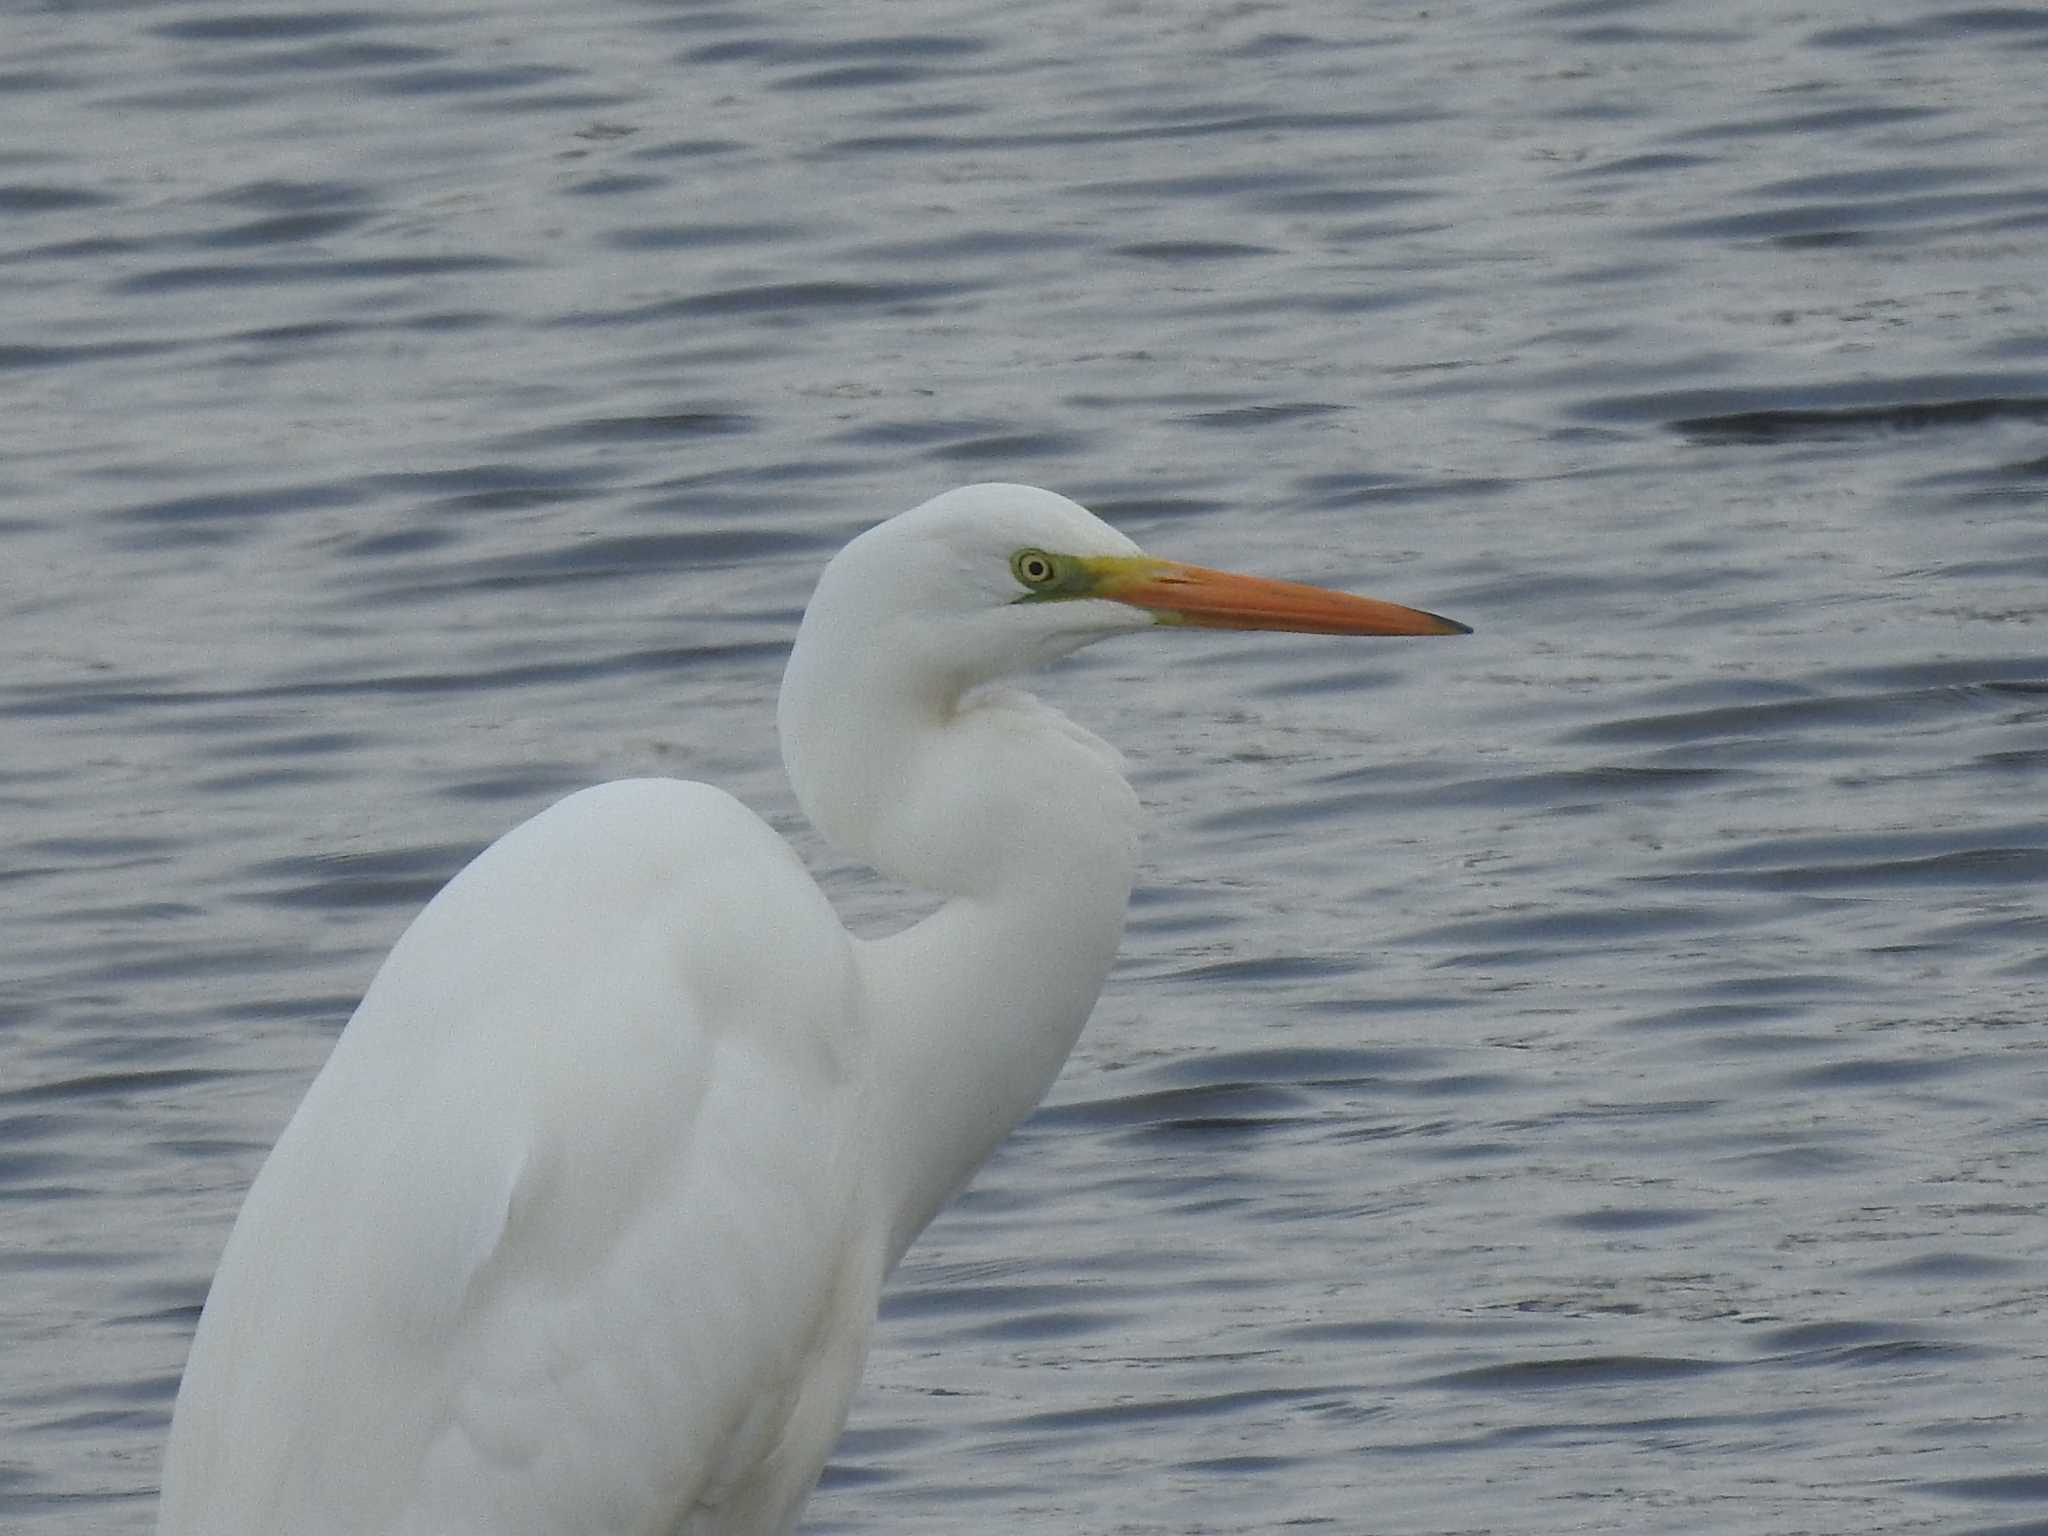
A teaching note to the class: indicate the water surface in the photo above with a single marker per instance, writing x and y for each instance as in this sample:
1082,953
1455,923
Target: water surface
1583,1077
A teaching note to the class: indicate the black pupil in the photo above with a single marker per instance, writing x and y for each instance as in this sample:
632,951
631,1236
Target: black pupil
1037,570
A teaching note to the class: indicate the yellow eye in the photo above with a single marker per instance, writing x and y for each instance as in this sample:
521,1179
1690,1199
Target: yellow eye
1034,568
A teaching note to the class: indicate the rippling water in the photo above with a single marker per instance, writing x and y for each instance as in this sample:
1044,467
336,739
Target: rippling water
1585,1077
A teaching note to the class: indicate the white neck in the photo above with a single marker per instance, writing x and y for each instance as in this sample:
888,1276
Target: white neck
976,1008
1024,821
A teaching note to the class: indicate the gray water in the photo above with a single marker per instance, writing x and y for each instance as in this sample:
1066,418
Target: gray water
1586,1077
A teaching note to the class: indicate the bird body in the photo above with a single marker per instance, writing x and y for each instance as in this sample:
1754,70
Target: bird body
588,1202
582,1226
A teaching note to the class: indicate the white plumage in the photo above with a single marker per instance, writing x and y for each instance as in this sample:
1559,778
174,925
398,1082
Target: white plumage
581,1227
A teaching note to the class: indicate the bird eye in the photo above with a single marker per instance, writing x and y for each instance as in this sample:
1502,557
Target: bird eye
1034,568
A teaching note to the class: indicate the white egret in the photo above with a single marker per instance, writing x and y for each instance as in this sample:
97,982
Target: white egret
582,1225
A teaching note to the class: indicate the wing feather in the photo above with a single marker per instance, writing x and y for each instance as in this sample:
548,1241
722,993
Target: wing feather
568,1233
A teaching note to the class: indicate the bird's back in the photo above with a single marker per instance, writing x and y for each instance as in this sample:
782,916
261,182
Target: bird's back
568,1233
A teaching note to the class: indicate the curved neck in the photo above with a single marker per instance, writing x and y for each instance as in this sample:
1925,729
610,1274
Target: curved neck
975,1009
1024,821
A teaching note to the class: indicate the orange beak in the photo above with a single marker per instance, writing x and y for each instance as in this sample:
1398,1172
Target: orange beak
1204,599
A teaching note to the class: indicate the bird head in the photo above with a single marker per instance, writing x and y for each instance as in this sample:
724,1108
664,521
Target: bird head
989,580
